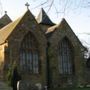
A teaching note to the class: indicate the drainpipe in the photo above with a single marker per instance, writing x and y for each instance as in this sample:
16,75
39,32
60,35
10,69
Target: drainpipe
47,68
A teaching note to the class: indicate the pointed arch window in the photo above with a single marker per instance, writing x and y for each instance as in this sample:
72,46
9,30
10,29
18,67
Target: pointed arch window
65,57
29,56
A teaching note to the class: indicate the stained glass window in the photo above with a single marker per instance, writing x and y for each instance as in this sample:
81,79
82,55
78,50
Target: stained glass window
29,57
65,57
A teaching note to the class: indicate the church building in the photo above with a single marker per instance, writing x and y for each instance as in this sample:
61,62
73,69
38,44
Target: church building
42,54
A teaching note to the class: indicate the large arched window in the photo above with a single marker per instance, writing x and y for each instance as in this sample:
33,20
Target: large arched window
29,58
65,57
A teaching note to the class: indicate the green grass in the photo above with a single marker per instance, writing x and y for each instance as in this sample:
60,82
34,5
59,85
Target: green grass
76,89
70,89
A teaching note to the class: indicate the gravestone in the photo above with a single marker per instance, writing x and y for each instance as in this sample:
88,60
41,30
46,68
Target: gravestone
25,85
22,85
39,86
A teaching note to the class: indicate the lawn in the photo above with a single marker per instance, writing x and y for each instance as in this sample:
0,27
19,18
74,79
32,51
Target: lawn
71,89
75,89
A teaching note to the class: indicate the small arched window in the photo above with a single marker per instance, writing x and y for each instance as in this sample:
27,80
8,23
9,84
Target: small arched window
29,57
65,57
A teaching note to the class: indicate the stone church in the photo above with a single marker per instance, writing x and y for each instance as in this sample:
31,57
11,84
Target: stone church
40,53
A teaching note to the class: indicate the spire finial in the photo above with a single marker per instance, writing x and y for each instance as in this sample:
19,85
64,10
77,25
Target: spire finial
27,5
5,12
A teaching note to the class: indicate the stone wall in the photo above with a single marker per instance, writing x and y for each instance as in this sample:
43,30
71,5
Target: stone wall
2,58
55,38
12,51
47,53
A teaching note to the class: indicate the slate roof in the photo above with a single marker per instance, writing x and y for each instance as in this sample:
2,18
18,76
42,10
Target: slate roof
63,23
7,30
43,18
4,20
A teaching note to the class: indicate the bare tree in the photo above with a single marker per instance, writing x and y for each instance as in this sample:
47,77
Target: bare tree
1,8
64,6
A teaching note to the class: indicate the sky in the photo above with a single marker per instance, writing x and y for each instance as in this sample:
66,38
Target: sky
76,13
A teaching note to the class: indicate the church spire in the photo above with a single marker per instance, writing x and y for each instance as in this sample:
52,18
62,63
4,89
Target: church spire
43,18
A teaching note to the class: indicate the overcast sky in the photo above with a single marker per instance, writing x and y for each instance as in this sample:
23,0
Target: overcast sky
77,17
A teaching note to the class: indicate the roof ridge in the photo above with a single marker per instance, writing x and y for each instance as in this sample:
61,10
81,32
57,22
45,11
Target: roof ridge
6,31
43,18
4,20
52,28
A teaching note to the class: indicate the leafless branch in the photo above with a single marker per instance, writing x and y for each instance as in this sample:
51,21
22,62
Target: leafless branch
65,6
50,6
85,42
56,10
1,8
41,4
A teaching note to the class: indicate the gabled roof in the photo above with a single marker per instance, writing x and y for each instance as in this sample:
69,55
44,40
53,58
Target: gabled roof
43,18
7,30
4,20
63,24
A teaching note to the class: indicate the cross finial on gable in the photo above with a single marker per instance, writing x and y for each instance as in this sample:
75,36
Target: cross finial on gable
5,12
27,5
